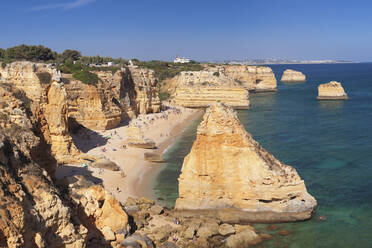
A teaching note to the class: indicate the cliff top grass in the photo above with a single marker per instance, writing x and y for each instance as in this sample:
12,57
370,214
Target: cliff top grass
164,70
79,72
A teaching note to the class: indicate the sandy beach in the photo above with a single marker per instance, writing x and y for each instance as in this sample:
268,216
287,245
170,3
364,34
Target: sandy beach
163,128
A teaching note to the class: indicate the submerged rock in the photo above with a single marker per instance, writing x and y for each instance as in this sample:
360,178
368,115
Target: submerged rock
331,91
153,157
293,76
229,175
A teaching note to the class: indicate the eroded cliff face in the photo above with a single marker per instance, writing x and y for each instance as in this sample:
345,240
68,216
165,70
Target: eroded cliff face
32,213
229,172
199,89
123,95
146,88
290,75
46,98
331,91
254,78
59,106
33,210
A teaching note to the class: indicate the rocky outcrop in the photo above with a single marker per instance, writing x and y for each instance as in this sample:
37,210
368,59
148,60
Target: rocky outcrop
99,210
293,76
136,138
331,91
199,89
46,98
228,174
56,115
32,212
157,226
122,95
254,78
146,88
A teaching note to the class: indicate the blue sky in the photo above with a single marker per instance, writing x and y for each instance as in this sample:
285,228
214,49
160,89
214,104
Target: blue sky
199,29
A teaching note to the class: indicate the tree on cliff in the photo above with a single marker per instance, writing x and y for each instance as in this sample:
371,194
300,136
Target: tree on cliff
2,53
32,53
68,54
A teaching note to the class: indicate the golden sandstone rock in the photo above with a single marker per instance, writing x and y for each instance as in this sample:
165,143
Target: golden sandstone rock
31,209
199,89
47,100
56,115
293,76
227,173
122,95
136,138
331,91
254,78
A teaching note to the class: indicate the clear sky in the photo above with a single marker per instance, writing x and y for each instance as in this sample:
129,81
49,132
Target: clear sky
198,29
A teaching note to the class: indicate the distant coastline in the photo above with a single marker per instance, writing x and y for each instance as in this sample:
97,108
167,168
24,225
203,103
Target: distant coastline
283,62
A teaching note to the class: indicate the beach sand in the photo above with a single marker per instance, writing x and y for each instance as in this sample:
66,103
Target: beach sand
163,128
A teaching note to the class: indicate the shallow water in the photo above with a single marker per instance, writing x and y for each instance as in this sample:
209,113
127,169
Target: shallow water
328,142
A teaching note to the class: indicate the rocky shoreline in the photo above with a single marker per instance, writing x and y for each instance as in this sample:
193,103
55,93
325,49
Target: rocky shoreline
55,123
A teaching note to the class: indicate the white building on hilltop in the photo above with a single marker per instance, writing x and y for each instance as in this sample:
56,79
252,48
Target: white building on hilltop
181,60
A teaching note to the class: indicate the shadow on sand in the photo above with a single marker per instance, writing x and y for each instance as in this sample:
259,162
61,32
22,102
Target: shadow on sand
84,138
71,170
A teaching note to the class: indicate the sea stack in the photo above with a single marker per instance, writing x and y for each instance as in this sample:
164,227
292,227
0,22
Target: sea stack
229,175
331,91
293,76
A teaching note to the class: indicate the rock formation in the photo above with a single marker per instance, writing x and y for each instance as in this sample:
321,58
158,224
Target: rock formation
32,213
293,76
123,95
56,116
254,78
146,88
100,209
135,138
227,173
199,89
331,91
47,100
59,106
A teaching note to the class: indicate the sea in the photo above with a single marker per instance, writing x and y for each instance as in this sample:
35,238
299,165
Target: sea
328,142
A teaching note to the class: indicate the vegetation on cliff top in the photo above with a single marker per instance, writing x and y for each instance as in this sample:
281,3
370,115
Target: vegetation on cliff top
165,70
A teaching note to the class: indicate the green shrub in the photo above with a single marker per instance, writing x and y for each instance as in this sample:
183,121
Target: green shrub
163,96
165,70
3,65
44,77
217,74
86,77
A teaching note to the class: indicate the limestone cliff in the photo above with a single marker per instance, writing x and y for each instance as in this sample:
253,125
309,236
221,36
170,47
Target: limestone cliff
293,76
122,95
229,172
199,89
146,88
331,91
254,78
32,213
47,100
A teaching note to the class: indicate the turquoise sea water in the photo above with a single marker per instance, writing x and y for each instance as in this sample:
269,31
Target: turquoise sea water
328,142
